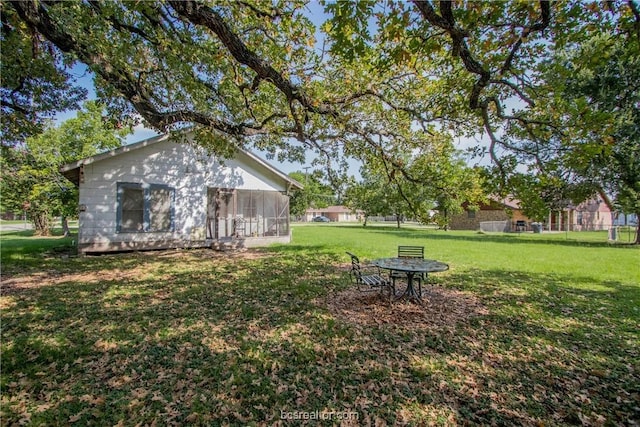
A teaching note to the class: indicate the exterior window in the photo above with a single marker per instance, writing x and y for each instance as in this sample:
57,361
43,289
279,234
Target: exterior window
144,208
471,214
132,208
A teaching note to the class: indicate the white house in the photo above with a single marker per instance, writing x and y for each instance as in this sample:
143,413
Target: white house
159,193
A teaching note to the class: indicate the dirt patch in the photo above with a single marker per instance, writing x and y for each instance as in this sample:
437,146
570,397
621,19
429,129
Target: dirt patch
441,307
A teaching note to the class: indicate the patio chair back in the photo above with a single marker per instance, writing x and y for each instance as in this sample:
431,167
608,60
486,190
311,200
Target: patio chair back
410,251
356,271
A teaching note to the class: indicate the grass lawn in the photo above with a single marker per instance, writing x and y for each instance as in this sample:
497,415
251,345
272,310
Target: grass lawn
523,329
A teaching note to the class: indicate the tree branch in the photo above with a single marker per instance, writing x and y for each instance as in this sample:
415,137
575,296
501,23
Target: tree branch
493,142
543,22
636,13
460,47
516,89
202,15
14,107
261,13
37,17
121,26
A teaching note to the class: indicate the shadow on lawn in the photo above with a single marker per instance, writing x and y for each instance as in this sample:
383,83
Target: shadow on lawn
16,233
209,340
569,308
74,349
553,349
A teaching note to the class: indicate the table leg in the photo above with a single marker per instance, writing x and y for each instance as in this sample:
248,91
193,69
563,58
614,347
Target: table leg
410,293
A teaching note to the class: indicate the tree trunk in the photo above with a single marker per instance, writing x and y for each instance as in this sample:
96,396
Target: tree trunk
446,220
41,223
398,220
65,227
637,242
366,217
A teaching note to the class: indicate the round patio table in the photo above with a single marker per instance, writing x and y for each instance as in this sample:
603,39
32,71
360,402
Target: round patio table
411,266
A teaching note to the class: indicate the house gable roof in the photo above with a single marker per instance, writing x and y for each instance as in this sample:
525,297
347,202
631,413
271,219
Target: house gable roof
72,170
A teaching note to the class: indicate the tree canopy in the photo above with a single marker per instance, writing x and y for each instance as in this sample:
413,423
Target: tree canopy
599,85
438,179
36,82
377,81
31,180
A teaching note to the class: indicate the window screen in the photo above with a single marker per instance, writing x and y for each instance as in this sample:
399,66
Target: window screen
160,209
262,213
132,205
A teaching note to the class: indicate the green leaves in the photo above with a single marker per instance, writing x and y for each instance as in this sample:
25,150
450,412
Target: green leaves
597,97
30,173
36,82
315,194
433,177
349,27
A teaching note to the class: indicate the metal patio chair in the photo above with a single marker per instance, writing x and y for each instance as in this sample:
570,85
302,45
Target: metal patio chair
367,279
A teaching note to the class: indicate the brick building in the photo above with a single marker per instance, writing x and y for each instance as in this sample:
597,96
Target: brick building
505,210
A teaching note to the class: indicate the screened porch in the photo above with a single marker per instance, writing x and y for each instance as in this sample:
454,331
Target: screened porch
233,213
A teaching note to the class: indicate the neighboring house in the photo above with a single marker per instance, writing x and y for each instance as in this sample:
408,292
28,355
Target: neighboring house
504,213
10,216
334,213
158,193
592,214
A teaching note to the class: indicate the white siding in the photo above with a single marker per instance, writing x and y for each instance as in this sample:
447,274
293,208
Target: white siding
188,169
